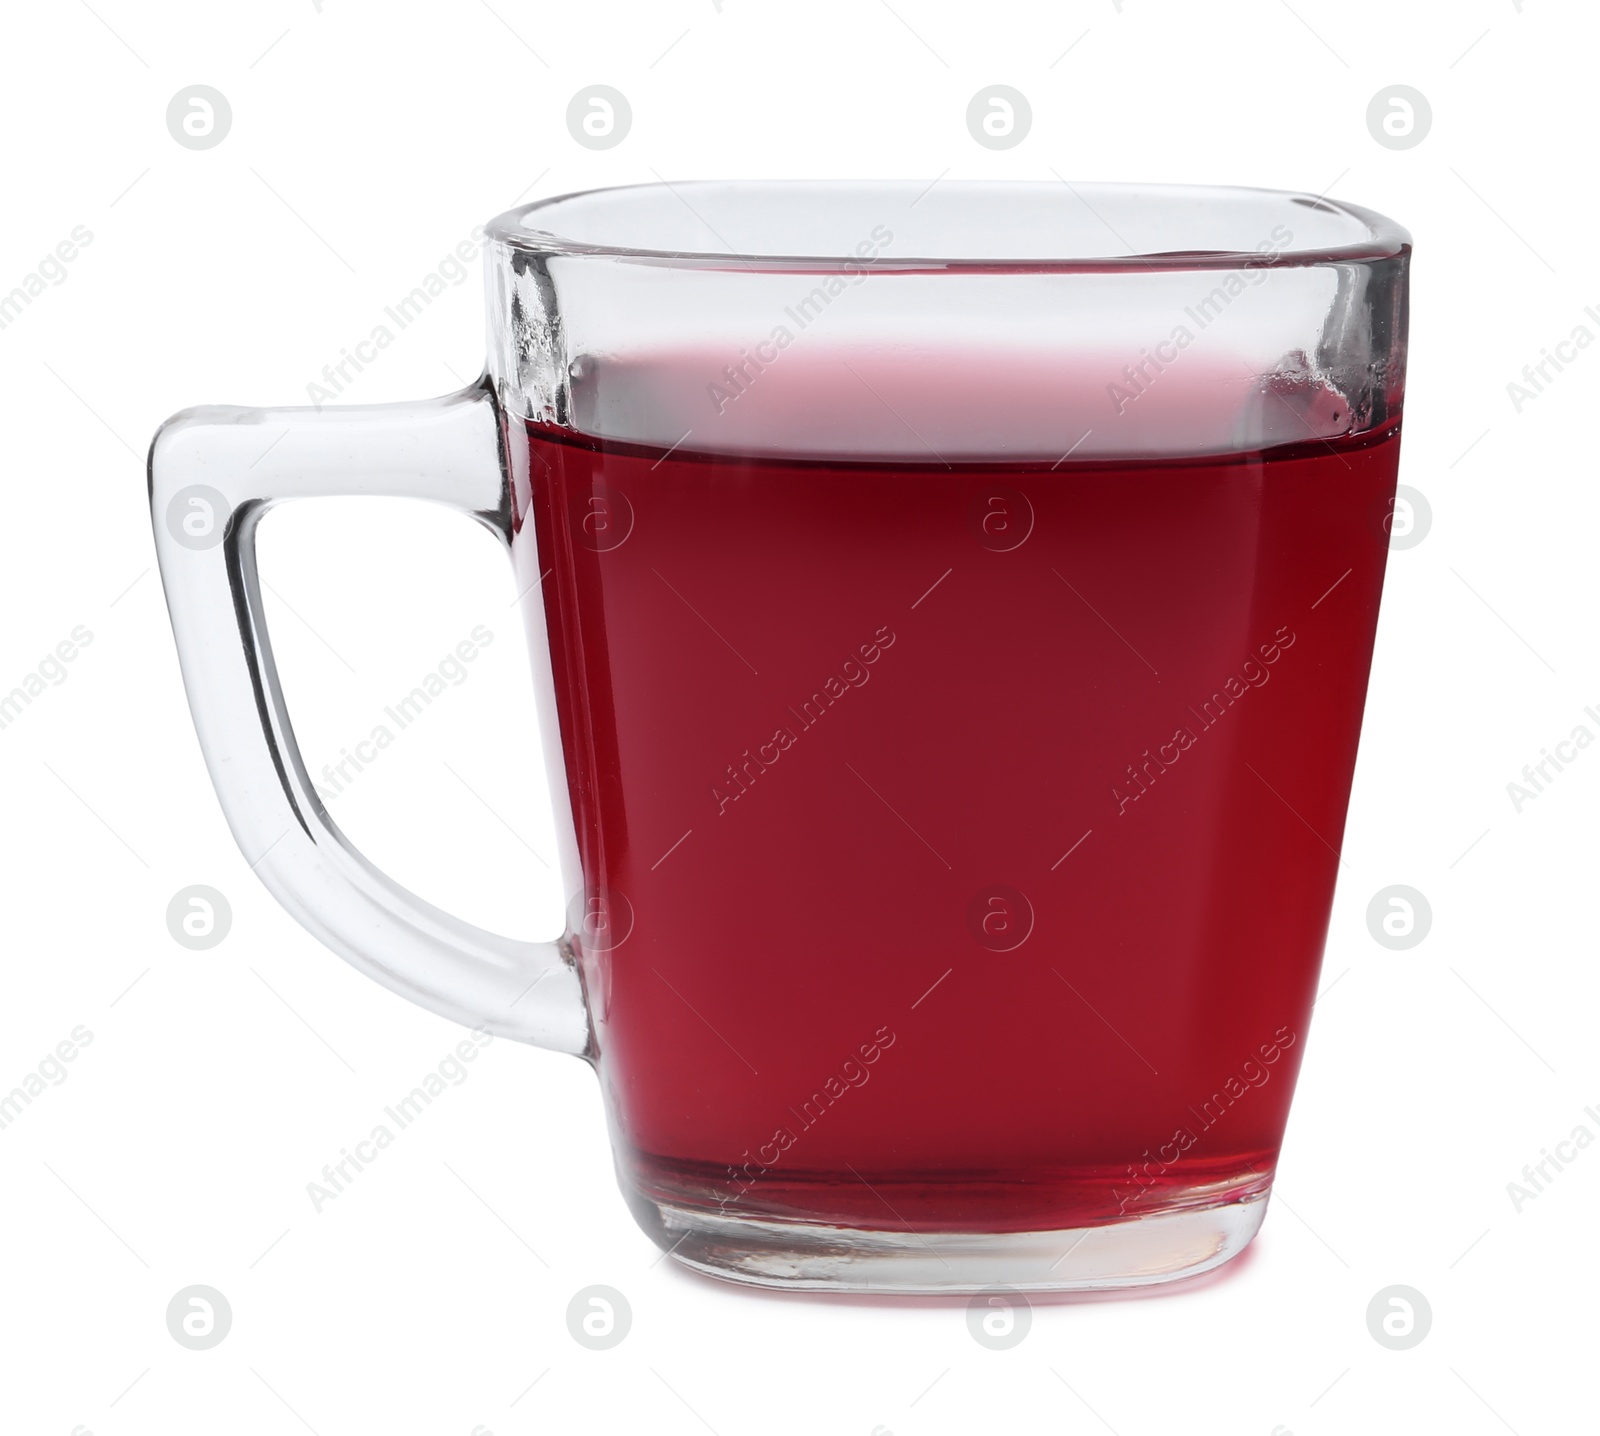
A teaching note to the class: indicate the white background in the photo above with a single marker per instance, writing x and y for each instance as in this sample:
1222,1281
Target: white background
367,140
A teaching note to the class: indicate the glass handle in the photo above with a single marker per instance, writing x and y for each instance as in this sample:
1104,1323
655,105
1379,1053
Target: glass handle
214,471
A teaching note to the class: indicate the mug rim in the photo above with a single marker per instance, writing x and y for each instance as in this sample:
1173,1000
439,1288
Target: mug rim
1373,237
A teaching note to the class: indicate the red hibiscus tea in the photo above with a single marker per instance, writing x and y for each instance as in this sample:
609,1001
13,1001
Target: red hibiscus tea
960,837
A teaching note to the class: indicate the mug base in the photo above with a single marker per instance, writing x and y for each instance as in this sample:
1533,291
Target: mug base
800,1256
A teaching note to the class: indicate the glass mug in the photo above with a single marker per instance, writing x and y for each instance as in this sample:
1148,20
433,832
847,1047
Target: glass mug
951,610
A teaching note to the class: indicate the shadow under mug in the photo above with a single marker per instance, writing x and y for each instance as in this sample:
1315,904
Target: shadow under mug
950,611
